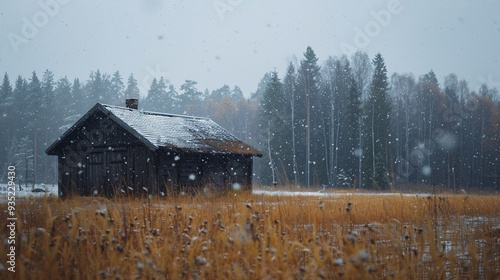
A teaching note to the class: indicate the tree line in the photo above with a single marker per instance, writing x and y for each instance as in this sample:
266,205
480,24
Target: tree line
348,123
343,122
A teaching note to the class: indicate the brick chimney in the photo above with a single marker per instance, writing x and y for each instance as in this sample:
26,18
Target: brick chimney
132,103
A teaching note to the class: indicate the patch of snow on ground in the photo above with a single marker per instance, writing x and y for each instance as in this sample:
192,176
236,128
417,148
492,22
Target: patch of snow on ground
333,194
50,190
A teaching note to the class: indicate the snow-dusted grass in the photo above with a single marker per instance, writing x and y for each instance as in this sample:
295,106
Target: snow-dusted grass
258,236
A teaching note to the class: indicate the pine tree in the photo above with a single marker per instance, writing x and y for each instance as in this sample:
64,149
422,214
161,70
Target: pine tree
117,89
261,87
191,98
158,99
290,89
95,89
132,90
20,97
31,102
173,98
167,93
378,113
66,100
218,94
78,97
308,119
47,102
236,94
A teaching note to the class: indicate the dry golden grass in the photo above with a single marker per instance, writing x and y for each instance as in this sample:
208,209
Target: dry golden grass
245,236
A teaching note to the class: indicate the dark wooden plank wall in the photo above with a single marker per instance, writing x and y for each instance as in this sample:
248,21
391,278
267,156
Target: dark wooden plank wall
168,172
215,172
240,171
191,172
190,176
141,170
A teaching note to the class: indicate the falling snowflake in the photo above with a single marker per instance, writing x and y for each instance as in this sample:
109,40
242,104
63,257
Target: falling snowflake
426,170
236,186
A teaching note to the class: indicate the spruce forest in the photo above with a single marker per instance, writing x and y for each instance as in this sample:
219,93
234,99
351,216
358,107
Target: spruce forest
337,122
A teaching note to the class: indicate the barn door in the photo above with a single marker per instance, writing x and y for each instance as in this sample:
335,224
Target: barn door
106,173
95,173
115,172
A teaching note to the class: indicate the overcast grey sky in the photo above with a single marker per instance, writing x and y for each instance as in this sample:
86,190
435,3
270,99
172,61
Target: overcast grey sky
234,42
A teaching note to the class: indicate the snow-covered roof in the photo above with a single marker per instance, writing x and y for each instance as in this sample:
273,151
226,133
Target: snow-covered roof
177,132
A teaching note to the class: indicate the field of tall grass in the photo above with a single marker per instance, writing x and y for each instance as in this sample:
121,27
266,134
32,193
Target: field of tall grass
249,236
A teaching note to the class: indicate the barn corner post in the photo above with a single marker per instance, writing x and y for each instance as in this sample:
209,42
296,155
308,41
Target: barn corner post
250,173
62,184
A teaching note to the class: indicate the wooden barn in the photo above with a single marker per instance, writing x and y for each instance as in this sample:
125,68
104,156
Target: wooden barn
122,150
